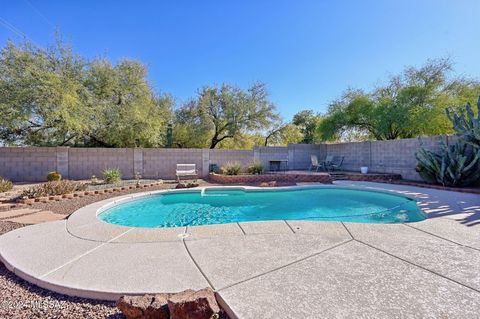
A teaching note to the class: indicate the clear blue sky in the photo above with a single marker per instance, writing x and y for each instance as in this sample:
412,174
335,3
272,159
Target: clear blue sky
307,52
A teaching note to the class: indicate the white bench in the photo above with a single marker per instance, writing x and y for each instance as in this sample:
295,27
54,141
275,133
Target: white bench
186,170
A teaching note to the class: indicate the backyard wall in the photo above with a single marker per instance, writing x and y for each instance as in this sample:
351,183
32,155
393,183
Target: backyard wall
33,163
395,156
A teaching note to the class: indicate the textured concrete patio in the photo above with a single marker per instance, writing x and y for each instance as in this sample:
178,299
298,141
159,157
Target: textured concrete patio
279,269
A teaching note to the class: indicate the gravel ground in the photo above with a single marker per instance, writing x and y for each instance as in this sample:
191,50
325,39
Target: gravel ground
20,299
68,206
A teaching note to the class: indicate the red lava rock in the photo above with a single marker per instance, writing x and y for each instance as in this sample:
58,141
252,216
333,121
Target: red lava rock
145,307
191,304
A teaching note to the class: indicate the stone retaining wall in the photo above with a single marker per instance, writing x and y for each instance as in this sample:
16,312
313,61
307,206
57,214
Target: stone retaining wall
280,178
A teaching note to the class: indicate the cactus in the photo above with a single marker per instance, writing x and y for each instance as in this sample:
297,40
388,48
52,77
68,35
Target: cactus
467,126
455,165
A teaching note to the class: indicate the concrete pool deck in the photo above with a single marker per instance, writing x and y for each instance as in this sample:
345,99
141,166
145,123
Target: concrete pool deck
278,269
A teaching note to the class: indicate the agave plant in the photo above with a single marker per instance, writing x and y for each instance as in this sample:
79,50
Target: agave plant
455,165
467,125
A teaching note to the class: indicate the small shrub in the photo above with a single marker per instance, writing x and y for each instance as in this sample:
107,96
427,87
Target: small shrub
112,175
53,188
5,185
54,176
256,168
94,180
138,177
232,168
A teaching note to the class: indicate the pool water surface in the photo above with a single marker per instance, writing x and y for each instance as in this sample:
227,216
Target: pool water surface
221,206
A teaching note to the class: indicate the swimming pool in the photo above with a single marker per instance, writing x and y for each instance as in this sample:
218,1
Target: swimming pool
230,205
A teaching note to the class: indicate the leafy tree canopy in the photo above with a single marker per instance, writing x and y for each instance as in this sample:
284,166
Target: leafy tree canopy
223,113
307,122
410,104
55,97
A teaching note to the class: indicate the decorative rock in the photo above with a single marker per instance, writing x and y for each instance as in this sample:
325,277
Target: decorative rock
272,184
145,307
189,304
263,184
180,185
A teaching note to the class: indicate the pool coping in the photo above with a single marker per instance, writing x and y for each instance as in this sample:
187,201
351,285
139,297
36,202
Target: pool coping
13,255
84,223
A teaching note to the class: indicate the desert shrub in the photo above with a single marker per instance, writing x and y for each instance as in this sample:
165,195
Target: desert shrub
231,168
112,175
5,185
54,188
54,176
94,180
256,168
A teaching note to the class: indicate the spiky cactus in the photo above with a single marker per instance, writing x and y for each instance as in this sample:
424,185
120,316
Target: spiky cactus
455,165
466,125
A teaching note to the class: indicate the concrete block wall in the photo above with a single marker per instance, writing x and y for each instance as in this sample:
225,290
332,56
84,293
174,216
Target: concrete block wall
161,163
34,163
221,157
299,155
393,156
85,162
27,164
355,154
265,154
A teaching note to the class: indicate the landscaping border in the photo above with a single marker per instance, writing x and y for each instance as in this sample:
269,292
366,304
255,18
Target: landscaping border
323,178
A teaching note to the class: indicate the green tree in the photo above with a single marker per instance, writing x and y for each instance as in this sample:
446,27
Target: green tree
283,134
54,97
224,113
127,113
42,96
307,121
411,104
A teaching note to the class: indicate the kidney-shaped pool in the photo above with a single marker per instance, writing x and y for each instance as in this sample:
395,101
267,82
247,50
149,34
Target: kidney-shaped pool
229,205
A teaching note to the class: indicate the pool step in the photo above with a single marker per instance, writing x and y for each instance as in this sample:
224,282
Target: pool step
338,176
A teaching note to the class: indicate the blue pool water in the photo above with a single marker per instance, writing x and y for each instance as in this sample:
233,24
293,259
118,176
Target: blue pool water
221,206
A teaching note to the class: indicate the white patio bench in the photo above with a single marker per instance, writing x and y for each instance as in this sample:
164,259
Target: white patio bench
186,170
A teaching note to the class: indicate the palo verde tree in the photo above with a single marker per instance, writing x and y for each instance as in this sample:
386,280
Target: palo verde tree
42,97
53,96
307,121
410,104
224,113
126,111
